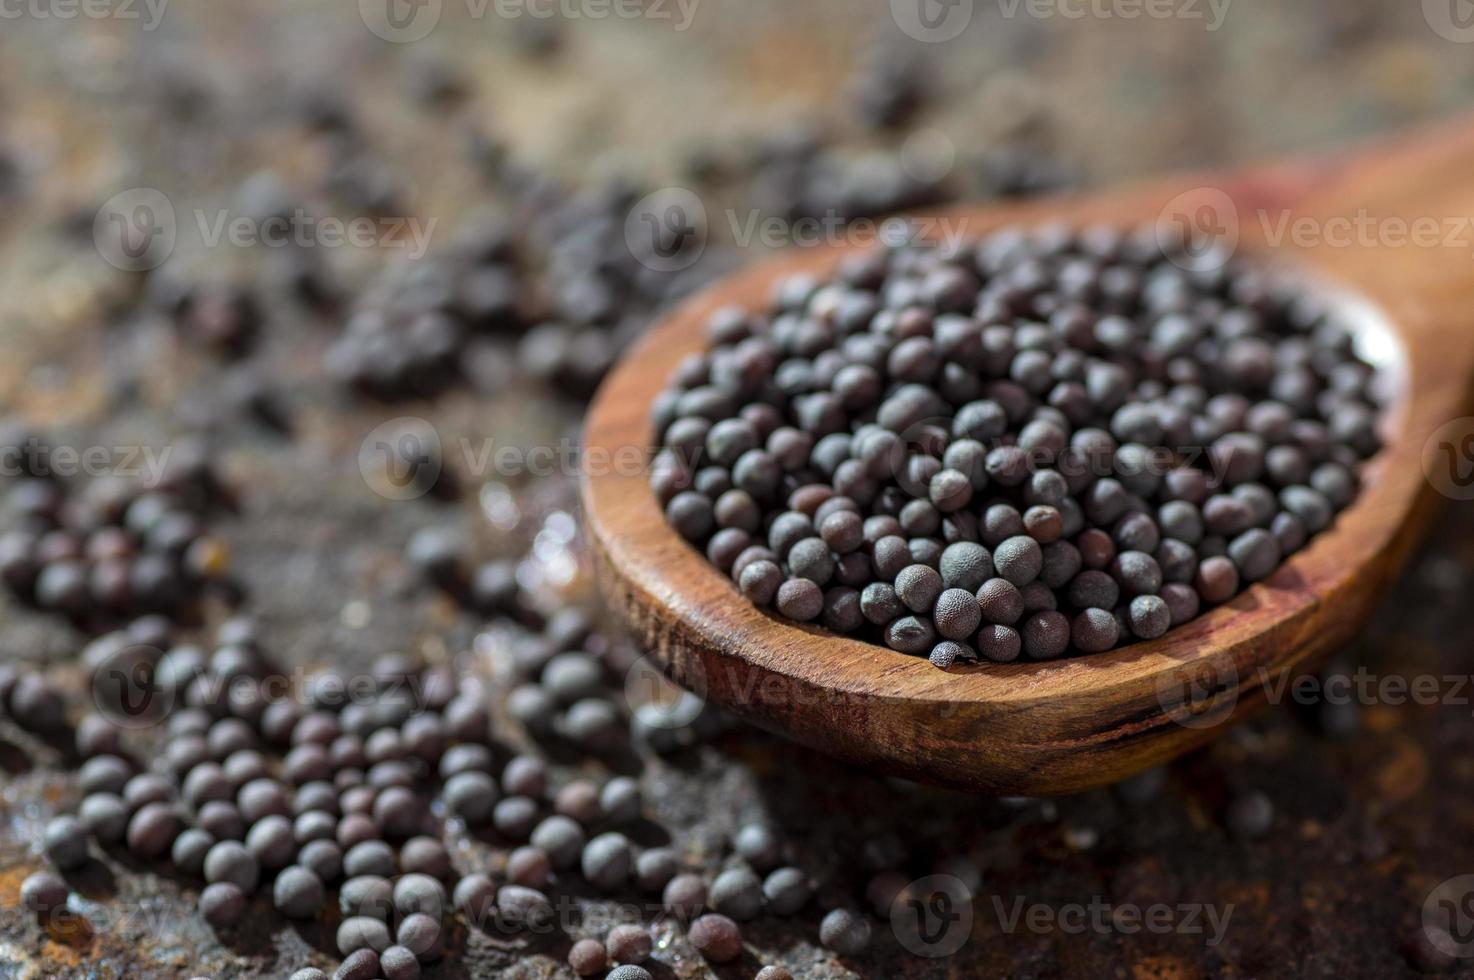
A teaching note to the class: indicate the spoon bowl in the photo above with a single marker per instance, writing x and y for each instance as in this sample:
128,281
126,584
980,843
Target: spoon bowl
1030,728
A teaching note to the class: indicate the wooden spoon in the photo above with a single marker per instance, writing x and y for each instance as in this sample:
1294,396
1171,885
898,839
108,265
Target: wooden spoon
1062,726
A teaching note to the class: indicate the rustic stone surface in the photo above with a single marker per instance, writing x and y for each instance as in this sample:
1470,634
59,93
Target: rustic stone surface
1365,825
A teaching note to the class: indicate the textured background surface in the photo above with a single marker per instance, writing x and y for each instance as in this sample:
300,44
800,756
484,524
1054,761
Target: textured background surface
1366,823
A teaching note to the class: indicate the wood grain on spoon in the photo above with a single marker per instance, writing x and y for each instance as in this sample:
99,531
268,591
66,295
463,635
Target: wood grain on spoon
1061,726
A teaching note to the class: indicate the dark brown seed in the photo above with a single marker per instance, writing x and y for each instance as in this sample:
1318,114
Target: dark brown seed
152,830
957,614
716,937
297,893
684,896
42,893
230,861
1095,631
1045,635
361,964
1000,602
399,963
222,905
587,957
1217,580
520,906
271,840
1000,644
66,842
628,944
846,932
420,933
361,932
1150,616
800,599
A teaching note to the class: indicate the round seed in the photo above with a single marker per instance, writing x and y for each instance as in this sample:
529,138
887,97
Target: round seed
561,838
957,614
918,587
800,599
372,857
398,812
190,850
587,957
1045,635
760,582
716,937
1217,580
525,776
520,906
270,839
105,816
222,904
1000,601
759,844
1250,815
1000,644
475,899
1019,560
66,842
529,866
323,858
738,894
361,964
844,931
297,893
472,796
620,799
655,867
424,856
230,862
965,565
628,944
43,893
607,861
366,895
514,817
1094,631
419,893
420,934
786,890
399,963
1150,616
628,972
580,801
152,830
1256,553
361,932
684,896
